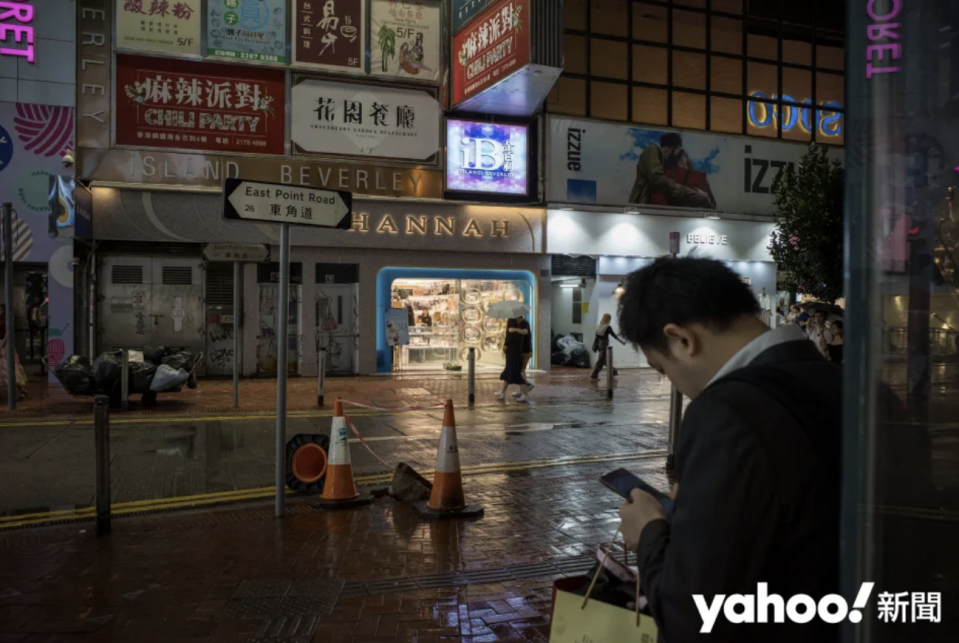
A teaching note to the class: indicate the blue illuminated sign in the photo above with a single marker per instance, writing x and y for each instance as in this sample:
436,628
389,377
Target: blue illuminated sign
829,123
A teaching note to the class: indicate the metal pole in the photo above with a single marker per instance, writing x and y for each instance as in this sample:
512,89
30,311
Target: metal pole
236,334
92,307
609,372
675,418
471,376
283,356
8,306
101,433
321,377
125,381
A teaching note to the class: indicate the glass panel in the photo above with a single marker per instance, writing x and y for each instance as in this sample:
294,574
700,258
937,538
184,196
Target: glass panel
650,64
794,127
650,106
762,78
830,57
689,29
575,55
608,101
650,22
726,115
797,84
726,75
608,17
832,128
727,35
830,87
797,52
689,111
699,4
568,96
762,47
689,70
729,6
575,13
761,119
608,58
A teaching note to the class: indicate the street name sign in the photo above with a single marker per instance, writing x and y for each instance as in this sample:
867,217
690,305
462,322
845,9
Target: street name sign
286,204
254,252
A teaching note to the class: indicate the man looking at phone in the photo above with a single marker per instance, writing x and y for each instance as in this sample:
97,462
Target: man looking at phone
757,463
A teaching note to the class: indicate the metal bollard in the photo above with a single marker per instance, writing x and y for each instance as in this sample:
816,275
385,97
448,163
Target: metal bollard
609,372
125,381
101,434
321,377
675,418
471,376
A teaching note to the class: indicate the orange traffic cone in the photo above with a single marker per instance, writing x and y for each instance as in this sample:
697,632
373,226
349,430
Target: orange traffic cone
447,499
339,490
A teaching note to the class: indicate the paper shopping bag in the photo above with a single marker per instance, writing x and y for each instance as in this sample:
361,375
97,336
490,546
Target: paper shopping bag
580,620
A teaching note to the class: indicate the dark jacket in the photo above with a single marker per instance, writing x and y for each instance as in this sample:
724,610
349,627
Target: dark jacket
758,501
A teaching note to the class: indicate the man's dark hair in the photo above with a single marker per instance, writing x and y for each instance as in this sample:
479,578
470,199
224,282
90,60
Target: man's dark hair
671,140
838,324
683,292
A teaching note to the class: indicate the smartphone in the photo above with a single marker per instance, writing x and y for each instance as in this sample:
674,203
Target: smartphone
623,482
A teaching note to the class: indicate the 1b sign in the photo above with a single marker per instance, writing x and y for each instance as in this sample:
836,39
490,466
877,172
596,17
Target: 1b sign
486,157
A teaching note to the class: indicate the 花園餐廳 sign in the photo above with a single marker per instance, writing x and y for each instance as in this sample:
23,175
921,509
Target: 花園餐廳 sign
247,30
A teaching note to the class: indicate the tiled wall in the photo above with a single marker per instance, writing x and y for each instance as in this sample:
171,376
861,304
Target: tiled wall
50,79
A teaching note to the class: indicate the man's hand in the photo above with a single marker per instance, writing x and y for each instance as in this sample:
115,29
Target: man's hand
641,510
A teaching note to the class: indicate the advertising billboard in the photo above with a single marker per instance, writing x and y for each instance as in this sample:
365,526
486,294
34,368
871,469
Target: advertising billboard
199,106
406,39
247,30
493,46
353,119
171,27
463,10
330,34
487,158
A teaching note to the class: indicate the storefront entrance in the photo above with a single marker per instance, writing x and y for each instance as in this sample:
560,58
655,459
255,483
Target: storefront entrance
447,316
269,302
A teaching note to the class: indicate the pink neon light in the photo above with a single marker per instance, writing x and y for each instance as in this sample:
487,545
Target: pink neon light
877,33
23,32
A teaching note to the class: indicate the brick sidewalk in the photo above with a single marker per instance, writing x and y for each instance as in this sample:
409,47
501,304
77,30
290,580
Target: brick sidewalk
373,574
259,396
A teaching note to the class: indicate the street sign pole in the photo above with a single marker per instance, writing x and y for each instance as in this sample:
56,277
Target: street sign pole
236,333
259,202
282,364
8,306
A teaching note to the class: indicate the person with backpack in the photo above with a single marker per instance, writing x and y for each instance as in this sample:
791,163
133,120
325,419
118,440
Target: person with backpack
603,332
757,498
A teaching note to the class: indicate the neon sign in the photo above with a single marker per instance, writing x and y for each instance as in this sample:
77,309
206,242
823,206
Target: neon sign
23,14
829,123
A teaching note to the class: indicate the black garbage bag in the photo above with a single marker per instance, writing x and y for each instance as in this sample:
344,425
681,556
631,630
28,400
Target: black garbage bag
76,375
554,346
579,358
558,358
141,375
152,354
106,370
178,358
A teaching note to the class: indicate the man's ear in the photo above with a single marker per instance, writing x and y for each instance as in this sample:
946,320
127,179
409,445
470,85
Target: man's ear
682,340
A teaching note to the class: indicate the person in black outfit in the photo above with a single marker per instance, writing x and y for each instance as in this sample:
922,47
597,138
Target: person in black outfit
758,458
833,349
516,332
603,332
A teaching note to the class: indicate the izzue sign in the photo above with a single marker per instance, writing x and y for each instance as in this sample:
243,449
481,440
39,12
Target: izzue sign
488,158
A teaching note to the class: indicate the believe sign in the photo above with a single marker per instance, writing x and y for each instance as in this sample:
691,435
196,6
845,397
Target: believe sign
279,203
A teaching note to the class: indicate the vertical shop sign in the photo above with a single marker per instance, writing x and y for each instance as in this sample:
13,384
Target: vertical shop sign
199,106
94,67
330,34
464,10
405,39
397,327
495,45
246,30
165,26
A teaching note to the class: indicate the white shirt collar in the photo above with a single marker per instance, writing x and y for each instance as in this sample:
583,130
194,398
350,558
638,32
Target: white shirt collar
752,350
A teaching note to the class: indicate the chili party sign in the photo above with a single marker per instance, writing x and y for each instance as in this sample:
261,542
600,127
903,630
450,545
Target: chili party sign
247,30
164,26
406,39
199,106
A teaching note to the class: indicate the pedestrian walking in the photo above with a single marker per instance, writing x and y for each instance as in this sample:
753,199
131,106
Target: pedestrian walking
527,356
516,330
834,348
758,458
603,332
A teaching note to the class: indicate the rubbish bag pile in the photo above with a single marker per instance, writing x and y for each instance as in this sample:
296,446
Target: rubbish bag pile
154,369
568,351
